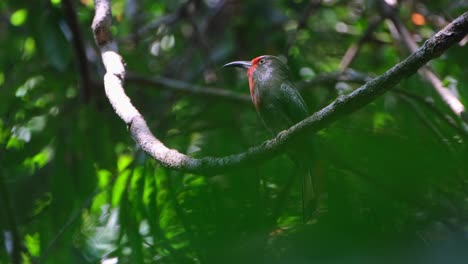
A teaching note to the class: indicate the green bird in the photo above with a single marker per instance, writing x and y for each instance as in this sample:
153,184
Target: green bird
280,106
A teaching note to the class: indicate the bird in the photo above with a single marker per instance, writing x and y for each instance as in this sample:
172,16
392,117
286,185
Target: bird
280,106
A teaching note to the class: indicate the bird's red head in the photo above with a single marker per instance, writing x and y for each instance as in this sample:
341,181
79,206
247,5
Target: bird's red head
250,66
262,72
254,64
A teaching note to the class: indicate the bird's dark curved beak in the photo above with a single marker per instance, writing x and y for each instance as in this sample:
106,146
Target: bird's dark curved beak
240,64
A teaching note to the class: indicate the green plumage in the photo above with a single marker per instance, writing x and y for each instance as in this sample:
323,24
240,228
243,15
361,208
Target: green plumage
280,106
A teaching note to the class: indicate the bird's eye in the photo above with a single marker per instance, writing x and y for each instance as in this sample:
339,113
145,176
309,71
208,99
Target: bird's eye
262,61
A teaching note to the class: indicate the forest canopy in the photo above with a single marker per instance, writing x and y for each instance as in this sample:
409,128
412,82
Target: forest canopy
124,140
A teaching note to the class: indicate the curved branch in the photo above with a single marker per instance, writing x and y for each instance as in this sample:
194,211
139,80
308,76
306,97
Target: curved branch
344,105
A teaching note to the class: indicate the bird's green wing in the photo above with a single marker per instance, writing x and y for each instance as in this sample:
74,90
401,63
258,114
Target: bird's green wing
282,108
292,103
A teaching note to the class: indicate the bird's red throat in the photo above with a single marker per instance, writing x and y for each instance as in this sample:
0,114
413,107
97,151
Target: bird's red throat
250,73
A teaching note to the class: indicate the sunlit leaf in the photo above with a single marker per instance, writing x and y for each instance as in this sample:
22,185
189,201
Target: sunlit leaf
167,42
21,133
32,243
19,17
104,177
37,123
381,120
119,186
29,48
29,85
40,159
101,199
25,259
123,162
55,2
14,143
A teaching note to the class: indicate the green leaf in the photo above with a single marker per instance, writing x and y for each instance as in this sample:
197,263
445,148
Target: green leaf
42,203
39,160
19,17
149,190
32,243
123,161
37,123
99,200
29,48
136,183
29,85
381,120
119,187
104,177
14,143
55,2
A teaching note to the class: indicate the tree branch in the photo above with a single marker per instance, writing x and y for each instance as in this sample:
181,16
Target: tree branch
344,105
326,78
330,78
445,94
180,86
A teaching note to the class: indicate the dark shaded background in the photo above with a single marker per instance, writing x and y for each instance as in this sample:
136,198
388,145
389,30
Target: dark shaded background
76,189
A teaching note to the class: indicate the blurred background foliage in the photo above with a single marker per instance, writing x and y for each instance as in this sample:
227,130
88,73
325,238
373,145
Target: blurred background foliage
75,188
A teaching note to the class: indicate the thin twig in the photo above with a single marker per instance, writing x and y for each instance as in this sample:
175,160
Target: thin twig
355,47
430,105
326,78
427,122
78,46
311,8
330,78
184,87
169,19
11,224
72,219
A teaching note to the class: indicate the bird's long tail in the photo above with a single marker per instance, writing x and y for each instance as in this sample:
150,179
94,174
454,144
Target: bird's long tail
309,193
314,194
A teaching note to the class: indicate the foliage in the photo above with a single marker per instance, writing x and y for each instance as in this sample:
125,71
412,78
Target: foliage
76,189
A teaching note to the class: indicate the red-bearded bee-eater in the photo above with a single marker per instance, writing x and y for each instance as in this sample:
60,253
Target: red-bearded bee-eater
280,106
